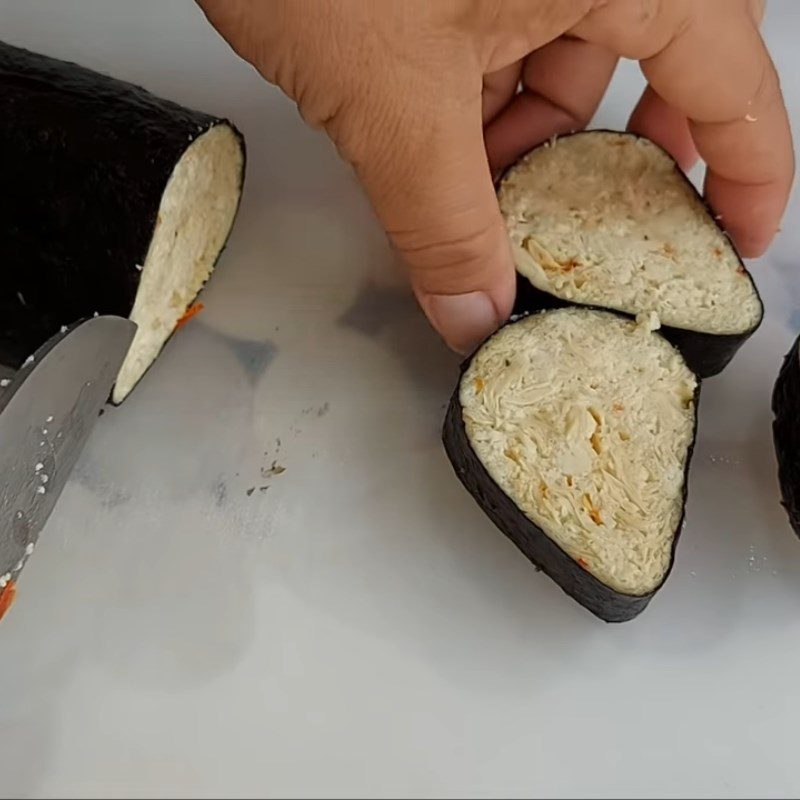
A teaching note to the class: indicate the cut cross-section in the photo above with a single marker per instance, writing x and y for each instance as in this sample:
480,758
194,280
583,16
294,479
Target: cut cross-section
608,220
573,429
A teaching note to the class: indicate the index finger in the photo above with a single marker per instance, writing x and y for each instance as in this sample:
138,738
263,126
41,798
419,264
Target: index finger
717,72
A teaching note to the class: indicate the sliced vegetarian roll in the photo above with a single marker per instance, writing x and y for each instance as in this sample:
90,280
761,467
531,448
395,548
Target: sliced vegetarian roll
609,220
114,201
573,430
786,433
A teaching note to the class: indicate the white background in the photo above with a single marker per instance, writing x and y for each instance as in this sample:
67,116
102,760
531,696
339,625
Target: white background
359,627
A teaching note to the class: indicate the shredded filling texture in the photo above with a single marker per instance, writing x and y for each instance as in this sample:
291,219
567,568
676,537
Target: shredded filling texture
585,420
195,216
606,219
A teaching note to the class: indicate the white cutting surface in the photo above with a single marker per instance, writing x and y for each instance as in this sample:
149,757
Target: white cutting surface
359,628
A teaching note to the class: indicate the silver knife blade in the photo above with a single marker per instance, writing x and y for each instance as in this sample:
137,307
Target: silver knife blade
46,415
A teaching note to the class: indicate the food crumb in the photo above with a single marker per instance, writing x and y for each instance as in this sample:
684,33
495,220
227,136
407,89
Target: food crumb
6,596
190,312
274,469
40,490
250,490
5,382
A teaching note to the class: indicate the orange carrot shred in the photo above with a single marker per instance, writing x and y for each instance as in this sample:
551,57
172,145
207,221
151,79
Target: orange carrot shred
582,563
192,311
7,595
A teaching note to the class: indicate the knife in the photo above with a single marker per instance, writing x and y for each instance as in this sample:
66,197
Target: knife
47,412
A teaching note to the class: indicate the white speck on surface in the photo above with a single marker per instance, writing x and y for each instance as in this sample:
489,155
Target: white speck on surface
44,478
21,298
96,314
18,515
750,118
29,548
5,382
28,361
139,267
49,419
19,565
41,444
40,490
62,329
45,431
39,467
693,573
3,582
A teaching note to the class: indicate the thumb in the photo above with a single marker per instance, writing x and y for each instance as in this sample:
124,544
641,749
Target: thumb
434,195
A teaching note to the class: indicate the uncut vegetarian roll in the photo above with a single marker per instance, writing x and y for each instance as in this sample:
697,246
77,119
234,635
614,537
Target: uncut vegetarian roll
786,433
573,430
609,220
115,201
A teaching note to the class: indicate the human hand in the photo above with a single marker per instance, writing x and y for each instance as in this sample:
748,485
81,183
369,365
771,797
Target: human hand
421,98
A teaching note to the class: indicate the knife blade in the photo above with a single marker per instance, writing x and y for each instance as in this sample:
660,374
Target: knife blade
47,412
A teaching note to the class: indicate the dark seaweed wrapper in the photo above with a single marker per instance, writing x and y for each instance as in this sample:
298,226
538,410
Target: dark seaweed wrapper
85,159
786,433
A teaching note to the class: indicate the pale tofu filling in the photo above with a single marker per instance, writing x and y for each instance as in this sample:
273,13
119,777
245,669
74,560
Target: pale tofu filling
605,219
194,219
585,420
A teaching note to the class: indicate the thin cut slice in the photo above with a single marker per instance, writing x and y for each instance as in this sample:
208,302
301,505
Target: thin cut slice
573,429
608,220
115,201
786,433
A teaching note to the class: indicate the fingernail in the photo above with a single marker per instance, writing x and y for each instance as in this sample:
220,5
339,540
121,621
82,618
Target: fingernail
463,320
